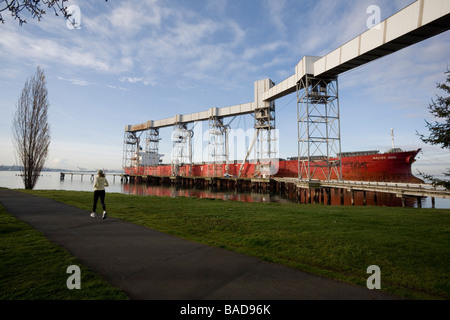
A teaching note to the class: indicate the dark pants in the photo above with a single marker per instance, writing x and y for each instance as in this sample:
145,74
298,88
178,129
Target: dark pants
99,194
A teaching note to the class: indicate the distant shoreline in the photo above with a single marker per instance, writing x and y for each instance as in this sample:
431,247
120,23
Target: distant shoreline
17,168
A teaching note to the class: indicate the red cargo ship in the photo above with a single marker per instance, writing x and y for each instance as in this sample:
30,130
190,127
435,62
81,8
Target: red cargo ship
392,166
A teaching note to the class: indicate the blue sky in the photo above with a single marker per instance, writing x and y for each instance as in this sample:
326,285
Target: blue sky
134,61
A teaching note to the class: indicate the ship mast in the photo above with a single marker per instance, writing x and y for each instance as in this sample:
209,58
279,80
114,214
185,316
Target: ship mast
392,135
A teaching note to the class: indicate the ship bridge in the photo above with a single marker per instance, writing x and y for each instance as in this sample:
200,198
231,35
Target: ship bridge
315,81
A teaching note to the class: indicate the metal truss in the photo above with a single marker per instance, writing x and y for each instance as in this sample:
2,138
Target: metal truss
151,153
218,144
131,147
266,140
319,138
182,148
152,141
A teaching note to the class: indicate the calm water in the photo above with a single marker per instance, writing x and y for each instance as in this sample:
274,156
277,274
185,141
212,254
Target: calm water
52,181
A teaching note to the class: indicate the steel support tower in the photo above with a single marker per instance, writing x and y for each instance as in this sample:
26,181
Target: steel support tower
319,137
131,149
265,130
266,142
152,147
152,141
182,149
218,145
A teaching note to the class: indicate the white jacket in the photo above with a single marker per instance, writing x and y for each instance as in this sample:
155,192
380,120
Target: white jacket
100,183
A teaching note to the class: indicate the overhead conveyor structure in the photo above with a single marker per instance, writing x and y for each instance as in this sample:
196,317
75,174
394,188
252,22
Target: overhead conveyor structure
316,83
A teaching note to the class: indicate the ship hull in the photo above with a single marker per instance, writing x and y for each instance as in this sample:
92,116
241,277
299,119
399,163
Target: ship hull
387,167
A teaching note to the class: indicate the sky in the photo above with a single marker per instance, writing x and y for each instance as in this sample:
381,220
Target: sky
133,61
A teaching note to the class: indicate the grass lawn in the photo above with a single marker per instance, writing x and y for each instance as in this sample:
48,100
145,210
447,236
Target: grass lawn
33,268
411,246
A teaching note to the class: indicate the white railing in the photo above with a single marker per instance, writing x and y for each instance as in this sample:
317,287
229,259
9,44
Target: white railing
411,189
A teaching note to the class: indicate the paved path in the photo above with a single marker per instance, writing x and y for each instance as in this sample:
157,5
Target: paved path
148,264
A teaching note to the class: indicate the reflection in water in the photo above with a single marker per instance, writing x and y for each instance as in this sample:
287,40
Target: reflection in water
174,191
51,180
371,198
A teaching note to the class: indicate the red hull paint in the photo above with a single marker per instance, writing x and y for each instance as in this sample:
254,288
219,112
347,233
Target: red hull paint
388,167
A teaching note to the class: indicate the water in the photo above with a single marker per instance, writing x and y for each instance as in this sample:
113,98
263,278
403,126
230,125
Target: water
52,181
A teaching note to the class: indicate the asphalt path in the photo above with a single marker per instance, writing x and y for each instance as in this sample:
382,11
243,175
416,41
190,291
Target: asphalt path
150,265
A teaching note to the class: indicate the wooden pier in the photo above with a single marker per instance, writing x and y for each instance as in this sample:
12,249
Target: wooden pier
401,190
90,175
307,191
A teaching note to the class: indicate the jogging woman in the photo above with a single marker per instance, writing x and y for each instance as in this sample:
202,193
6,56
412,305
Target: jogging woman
100,183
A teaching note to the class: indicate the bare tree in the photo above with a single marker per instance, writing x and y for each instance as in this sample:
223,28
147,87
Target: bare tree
31,131
36,8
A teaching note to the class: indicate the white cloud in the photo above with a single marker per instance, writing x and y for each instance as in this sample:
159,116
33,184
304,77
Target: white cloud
84,83
263,50
131,17
137,80
159,40
24,46
217,7
77,82
186,85
275,11
124,20
191,46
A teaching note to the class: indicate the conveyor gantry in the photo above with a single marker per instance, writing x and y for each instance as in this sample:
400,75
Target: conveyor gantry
421,20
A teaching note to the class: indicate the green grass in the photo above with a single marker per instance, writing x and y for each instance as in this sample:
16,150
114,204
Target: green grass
411,246
33,268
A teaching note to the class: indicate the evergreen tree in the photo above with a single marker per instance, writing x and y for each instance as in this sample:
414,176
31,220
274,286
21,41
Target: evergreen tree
439,130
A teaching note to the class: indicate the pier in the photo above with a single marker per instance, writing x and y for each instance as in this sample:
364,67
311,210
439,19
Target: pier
90,175
309,192
401,190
